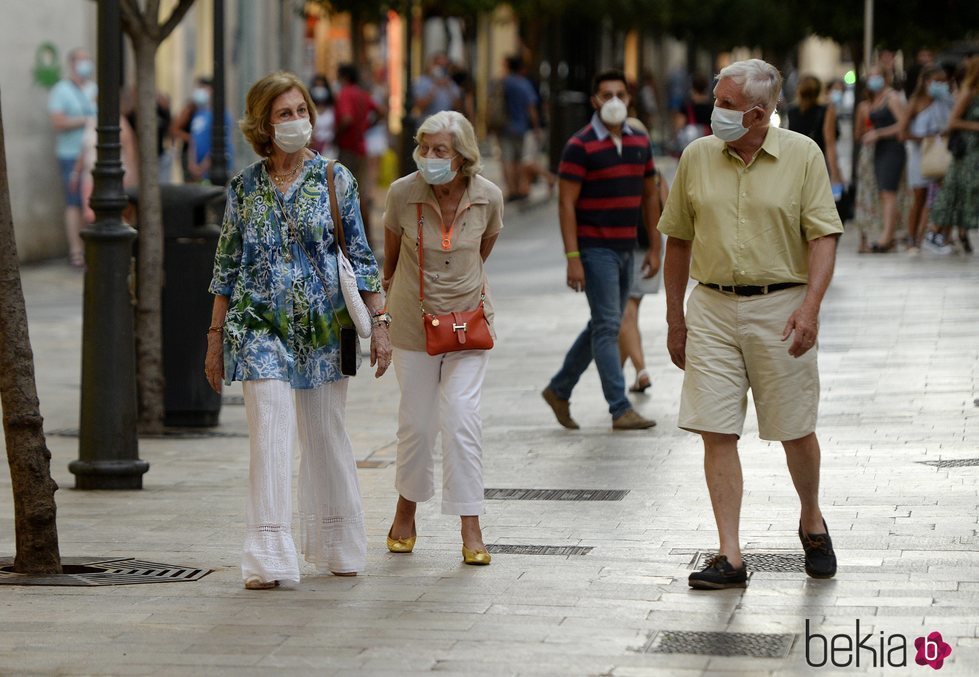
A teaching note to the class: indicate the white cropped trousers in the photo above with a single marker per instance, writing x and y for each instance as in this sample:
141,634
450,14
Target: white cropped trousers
441,393
331,513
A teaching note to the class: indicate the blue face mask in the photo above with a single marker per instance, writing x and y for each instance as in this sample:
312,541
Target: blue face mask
938,90
85,69
875,83
836,98
436,171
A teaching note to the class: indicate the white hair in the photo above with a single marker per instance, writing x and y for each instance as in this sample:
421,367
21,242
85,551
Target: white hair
760,81
463,138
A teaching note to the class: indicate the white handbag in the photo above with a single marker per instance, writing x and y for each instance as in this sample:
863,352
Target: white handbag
356,307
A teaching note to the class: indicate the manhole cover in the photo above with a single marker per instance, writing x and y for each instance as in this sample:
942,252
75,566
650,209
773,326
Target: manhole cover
555,494
167,434
95,571
233,400
561,550
758,645
952,463
760,561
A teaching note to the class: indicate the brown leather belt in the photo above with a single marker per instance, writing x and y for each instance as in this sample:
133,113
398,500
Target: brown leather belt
751,290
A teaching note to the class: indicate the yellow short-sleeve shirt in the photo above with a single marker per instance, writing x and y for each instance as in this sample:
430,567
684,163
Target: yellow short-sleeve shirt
750,225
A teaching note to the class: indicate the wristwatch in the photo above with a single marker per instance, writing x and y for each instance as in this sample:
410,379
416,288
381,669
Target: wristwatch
381,318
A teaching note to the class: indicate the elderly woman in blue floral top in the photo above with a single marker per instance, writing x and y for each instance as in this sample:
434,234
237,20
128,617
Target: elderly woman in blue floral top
275,326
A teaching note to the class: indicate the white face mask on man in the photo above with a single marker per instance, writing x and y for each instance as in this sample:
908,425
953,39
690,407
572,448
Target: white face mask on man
728,125
292,136
613,112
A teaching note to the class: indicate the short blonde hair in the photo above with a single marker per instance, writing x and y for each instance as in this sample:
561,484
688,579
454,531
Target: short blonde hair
463,138
760,81
256,124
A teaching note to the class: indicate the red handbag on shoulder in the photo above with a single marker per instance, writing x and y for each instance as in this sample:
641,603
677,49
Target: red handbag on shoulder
462,330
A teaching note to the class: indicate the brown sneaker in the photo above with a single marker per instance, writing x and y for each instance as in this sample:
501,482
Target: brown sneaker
561,409
630,420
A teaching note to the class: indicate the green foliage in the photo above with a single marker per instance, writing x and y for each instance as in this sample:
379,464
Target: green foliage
775,25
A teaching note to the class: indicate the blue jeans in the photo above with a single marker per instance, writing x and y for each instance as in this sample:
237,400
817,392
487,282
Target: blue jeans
608,275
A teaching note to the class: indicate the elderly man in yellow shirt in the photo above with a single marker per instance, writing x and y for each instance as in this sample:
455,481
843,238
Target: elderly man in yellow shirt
751,218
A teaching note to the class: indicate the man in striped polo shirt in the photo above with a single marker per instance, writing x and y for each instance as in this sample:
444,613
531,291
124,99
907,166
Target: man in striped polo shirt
607,189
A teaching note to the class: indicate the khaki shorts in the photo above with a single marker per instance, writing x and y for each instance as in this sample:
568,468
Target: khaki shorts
735,343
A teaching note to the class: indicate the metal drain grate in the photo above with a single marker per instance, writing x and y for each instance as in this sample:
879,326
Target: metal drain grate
560,550
760,561
953,463
87,571
168,434
757,645
555,494
234,400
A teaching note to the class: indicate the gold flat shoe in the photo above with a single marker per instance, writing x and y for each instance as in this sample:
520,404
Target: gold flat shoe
256,583
402,545
478,557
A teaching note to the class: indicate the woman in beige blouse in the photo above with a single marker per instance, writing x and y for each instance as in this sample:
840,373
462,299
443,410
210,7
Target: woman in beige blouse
462,217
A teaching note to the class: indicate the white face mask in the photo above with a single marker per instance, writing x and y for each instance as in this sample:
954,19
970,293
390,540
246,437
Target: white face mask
727,124
436,171
292,136
613,112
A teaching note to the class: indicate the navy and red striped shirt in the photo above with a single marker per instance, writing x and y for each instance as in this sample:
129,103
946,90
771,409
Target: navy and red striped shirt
608,208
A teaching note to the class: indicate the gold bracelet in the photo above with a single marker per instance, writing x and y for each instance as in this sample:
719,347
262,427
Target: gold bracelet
215,329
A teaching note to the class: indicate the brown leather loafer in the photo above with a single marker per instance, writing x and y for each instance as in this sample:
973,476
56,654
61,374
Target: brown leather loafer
630,420
561,409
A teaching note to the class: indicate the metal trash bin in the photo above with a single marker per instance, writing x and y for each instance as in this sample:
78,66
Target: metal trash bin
190,236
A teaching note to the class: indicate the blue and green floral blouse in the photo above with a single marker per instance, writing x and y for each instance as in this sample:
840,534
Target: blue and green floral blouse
280,322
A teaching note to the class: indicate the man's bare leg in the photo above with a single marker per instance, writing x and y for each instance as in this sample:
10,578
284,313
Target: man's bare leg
802,456
722,469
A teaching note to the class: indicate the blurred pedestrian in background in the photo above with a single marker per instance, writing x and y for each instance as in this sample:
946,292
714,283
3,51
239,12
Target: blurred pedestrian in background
607,190
887,110
276,326
200,98
644,281
355,113
927,117
202,133
324,131
71,106
435,91
957,204
441,223
692,120
835,92
520,101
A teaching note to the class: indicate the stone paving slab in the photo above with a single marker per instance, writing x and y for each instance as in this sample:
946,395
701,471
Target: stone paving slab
899,363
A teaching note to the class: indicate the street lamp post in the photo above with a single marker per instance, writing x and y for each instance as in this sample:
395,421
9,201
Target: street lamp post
219,154
108,444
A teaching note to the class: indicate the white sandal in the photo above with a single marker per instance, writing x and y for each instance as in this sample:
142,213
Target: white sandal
639,386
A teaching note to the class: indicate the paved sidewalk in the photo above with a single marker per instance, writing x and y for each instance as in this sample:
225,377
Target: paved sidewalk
899,355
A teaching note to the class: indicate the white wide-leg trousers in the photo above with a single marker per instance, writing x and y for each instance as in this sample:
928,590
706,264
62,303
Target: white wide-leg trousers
331,513
441,393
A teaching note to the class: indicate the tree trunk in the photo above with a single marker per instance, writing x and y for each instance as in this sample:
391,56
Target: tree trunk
149,274
35,511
